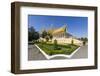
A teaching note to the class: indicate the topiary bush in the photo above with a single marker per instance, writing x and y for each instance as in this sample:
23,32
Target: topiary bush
55,44
72,42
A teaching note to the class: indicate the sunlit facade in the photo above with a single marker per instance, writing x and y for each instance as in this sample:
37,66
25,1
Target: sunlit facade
62,36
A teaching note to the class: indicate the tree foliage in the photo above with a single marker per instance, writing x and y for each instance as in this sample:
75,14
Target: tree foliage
32,34
50,36
46,35
84,40
47,38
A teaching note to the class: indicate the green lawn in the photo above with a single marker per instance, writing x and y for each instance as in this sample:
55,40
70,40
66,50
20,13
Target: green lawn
62,49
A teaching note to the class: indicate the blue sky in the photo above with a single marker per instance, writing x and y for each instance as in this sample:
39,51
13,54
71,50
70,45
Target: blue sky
77,26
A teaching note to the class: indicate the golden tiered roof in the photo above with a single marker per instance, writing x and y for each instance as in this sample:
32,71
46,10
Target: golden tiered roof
59,30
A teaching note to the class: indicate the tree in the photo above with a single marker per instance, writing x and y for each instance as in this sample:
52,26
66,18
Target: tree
44,34
50,36
47,38
36,36
84,40
32,34
29,36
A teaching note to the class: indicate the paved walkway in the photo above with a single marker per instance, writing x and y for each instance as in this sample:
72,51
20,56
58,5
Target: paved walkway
34,53
81,53
37,55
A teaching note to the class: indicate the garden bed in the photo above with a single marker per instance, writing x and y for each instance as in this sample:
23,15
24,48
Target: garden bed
61,49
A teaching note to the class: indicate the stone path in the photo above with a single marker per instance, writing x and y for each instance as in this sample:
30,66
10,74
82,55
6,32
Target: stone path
34,53
81,53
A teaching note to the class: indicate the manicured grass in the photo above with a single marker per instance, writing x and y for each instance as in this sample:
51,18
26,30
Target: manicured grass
62,49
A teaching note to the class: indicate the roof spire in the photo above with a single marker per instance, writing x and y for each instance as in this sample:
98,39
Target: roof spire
65,26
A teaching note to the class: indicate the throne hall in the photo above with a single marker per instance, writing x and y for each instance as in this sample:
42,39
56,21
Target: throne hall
62,36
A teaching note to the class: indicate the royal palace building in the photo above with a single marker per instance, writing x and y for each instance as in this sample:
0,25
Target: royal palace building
62,36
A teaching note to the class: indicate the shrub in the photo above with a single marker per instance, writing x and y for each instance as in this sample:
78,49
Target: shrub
33,41
47,38
68,46
42,43
72,42
50,53
84,42
55,44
